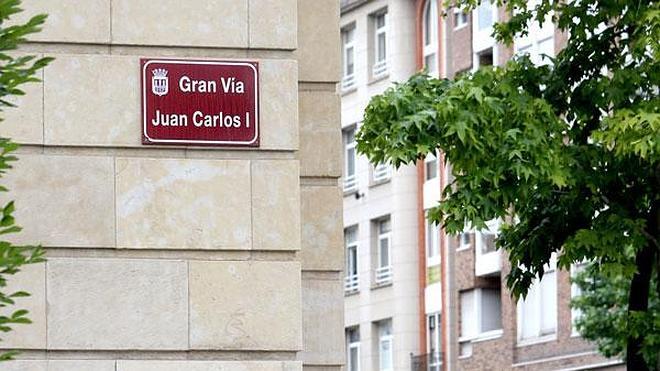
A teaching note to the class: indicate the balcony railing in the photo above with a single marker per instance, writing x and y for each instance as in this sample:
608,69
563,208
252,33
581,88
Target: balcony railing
348,82
380,68
382,172
426,362
351,283
350,183
383,275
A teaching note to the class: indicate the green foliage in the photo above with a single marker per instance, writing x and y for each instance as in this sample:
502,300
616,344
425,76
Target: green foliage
14,72
604,316
567,153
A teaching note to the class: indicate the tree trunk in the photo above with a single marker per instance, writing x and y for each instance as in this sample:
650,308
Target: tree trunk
638,299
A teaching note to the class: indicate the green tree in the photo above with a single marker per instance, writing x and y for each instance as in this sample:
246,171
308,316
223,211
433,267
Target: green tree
14,72
604,314
568,152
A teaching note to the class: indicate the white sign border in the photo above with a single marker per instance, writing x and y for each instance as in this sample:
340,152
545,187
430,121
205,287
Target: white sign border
187,141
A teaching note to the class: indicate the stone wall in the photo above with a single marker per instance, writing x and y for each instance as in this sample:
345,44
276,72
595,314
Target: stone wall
171,258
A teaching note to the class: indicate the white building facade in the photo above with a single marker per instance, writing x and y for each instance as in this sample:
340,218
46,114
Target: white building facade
380,217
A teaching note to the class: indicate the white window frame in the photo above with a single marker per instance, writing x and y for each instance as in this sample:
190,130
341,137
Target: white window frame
477,310
536,35
383,272
482,39
540,306
350,181
353,345
462,245
352,280
575,292
379,68
348,48
382,172
459,14
432,245
435,358
430,46
428,160
493,228
385,339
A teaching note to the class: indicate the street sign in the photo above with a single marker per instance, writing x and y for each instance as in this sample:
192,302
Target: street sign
200,102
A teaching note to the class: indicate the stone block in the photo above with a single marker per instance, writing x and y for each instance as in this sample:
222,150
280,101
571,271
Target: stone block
183,204
273,24
81,365
25,123
32,279
245,305
21,365
322,228
275,205
322,304
92,100
320,134
79,21
212,23
63,201
113,304
278,99
208,366
318,51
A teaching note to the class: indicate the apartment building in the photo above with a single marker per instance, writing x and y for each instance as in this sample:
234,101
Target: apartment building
380,203
466,318
479,326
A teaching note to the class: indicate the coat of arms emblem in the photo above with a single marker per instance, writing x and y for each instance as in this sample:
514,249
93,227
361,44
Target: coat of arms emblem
159,82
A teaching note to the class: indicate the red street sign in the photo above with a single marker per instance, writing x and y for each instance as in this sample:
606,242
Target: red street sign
200,102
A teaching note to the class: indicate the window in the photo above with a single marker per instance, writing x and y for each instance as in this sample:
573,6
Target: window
575,292
481,317
432,243
430,31
433,333
485,58
380,44
460,18
464,240
431,166
385,356
353,349
483,44
384,270
382,172
486,237
537,314
485,17
539,40
351,283
350,179
348,58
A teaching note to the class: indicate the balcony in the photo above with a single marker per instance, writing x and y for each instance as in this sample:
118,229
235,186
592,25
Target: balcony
379,69
426,362
351,284
350,183
382,172
348,83
384,275
488,259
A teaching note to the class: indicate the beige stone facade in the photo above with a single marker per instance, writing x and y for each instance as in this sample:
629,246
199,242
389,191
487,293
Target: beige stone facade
172,257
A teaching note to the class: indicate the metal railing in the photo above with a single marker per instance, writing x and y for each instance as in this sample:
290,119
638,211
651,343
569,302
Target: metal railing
379,68
351,283
426,362
350,183
382,172
348,82
383,275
